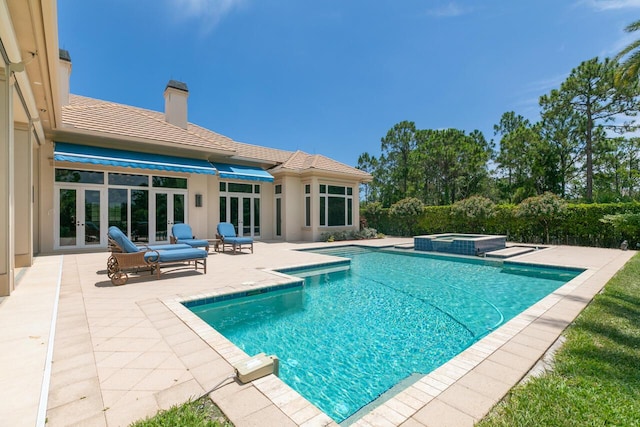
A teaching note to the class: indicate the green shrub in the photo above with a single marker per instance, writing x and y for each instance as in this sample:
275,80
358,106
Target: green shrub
338,236
406,212
475,211
547,209
580,225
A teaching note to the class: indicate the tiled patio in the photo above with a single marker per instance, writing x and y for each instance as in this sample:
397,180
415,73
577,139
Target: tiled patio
122,353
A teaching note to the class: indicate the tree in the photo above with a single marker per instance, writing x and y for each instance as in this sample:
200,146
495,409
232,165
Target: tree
514,158
560,131
396,149
449,165
630,67
593,99
369,163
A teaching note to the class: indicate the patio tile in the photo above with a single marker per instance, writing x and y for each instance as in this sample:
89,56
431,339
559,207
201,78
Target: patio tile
487,386
159,379
411,422
75,412
439,414
74,392
243,403
131,410
467,400
125,379
267,416
119,359
178,393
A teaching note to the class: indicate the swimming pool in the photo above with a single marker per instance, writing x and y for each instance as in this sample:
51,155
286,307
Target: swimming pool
348,336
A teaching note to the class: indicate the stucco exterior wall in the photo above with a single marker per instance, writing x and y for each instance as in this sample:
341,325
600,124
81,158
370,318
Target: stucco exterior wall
46,210
198,217
6,184
23,191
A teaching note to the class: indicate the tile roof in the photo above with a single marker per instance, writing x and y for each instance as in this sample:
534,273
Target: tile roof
301,162
119,120
95,115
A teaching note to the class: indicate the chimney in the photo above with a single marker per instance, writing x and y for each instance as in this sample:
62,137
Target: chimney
64,75
175,103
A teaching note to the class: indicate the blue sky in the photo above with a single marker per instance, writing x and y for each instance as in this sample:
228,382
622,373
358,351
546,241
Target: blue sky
333,76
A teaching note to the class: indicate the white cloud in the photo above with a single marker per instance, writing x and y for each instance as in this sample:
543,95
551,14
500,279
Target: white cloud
602,5
449,10
209,12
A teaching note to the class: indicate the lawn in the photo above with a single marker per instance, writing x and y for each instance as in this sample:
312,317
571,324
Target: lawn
596,378
197,413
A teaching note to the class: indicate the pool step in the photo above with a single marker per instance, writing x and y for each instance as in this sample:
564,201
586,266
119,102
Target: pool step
509,252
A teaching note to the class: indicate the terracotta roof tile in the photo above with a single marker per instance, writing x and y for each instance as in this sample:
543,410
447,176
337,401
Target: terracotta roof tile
94,115
123,120
301,161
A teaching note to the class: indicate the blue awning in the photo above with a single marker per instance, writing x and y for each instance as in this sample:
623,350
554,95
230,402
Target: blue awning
248,173
65,152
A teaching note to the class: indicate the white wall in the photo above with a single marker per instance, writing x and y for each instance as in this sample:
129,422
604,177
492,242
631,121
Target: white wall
6,184
22,186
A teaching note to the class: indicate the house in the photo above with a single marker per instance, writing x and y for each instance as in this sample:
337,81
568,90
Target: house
72,166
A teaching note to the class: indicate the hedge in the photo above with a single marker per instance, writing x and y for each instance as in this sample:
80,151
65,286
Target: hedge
580,226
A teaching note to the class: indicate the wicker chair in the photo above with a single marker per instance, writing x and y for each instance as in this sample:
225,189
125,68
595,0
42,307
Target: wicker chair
127,256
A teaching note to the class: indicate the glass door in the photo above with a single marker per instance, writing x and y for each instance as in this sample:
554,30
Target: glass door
244,214
170,208
78,223
240,205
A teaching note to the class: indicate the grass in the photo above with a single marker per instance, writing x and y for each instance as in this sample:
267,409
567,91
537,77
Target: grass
197,413
596,377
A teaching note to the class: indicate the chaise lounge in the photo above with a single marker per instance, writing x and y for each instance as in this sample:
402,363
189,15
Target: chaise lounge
227,236
181,233
126,255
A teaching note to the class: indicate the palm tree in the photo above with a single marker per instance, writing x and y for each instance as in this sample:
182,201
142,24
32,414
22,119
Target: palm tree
630,68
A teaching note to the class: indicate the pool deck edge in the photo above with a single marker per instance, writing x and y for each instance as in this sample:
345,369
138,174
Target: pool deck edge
121,353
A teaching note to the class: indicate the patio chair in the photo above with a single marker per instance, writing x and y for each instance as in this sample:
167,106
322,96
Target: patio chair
181,233
126,256
227,236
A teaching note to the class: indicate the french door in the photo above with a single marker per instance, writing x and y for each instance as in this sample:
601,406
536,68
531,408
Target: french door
80,218
168,207
243,211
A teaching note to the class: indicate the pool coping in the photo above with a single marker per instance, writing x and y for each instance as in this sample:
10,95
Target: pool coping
462,390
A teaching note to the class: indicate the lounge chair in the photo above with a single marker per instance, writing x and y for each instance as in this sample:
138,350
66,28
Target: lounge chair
126,255
181,233
227,236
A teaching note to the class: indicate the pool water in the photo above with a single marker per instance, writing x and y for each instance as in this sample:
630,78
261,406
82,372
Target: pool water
348,336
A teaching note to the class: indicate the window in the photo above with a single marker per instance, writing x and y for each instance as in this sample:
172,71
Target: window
307,211
240,188
168,182
336,205
278,188
85,177
129,180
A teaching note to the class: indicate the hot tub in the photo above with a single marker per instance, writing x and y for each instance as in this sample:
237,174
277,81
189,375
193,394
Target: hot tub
460,244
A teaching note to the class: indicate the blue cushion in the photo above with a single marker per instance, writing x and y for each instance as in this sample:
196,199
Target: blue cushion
196,243
122,240
168,247
182,231
226,229
176,255
238,240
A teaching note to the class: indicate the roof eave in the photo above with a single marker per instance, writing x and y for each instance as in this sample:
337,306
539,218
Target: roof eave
78,136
